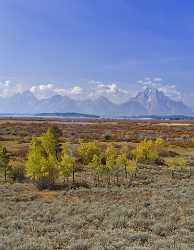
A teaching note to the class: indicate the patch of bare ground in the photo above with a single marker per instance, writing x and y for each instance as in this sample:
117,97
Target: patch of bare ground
175,124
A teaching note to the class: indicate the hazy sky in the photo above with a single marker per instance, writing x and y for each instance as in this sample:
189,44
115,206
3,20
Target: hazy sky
97,45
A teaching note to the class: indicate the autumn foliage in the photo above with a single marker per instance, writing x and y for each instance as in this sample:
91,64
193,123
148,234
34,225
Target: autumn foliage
106,163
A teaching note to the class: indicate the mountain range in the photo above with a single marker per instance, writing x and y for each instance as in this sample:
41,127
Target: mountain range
151,101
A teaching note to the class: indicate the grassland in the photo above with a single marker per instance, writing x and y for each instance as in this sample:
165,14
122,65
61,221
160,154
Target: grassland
155,212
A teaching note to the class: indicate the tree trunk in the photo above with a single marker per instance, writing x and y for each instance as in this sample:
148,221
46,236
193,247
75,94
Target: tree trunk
5,174
73,176
98,180
125,172
190,172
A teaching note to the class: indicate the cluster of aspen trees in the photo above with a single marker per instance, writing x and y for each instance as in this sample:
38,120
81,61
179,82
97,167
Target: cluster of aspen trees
49,158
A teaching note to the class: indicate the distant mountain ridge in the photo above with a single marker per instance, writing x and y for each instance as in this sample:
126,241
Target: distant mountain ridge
68,115
151,101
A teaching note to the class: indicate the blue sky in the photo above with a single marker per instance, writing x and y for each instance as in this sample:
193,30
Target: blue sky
109,44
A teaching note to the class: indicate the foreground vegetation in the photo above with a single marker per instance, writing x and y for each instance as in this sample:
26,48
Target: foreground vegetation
156,213
96,194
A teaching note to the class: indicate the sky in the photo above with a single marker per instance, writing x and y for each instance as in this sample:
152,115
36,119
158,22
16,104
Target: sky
83,48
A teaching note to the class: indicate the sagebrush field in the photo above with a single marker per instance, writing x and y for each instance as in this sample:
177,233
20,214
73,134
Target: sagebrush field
136,191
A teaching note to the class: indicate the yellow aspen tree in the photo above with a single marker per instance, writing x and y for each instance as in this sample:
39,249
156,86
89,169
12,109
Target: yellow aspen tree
86,151
35,159
110,155
145,150
51,165
121,163
4,161
67,164
97,166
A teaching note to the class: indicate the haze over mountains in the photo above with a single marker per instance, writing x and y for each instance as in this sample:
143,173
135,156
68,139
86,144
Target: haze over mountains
151,101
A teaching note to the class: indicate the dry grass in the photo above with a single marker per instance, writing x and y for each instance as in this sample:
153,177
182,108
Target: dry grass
149,215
